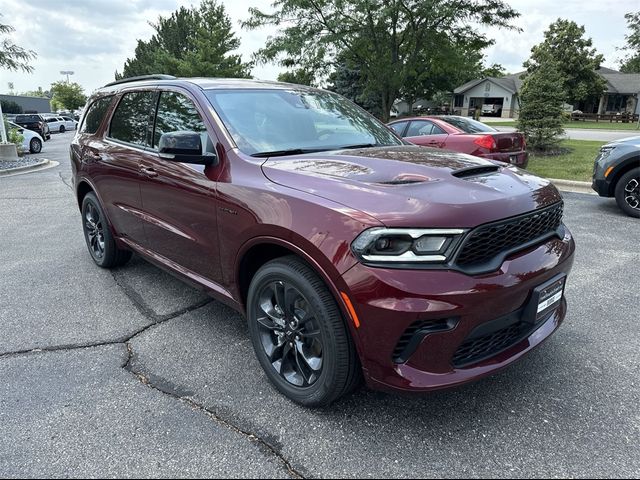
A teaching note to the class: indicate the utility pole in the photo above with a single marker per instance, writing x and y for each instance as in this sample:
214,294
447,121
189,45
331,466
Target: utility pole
3,132
67,73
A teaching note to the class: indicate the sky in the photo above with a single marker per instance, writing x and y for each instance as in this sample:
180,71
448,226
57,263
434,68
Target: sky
94,38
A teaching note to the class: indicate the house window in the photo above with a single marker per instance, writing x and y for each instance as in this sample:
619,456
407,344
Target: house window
458,101
617,103
487,86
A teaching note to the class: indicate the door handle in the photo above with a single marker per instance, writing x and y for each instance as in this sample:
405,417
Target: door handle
149,172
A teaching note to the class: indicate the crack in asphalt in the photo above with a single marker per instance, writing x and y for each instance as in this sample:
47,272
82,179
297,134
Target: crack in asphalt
64,181
263,444
157,320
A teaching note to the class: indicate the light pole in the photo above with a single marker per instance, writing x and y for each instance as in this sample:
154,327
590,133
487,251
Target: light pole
67,73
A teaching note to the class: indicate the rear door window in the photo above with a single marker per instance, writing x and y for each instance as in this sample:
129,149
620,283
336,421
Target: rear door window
419,128
132,119
95,114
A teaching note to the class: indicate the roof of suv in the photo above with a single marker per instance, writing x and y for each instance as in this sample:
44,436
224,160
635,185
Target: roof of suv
206,83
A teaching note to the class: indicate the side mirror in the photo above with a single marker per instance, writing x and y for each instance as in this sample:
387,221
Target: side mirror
184,147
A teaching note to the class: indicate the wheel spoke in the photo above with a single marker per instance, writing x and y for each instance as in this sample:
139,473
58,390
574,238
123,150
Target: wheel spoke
314,363
267,323
301,363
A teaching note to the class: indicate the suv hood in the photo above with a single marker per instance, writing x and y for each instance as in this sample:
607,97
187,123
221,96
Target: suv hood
410,186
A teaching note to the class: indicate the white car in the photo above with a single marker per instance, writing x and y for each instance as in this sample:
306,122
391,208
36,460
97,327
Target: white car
60,124
32,142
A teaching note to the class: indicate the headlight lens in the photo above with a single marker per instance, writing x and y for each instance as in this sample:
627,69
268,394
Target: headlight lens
407,245
606,150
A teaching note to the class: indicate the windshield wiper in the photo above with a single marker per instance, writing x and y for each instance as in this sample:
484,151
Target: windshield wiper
291,151
364,145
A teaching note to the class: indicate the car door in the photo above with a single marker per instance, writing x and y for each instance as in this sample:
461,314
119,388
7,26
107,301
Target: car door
425,133
178,198
119,156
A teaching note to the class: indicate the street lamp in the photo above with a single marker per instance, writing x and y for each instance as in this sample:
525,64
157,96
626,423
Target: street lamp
67,73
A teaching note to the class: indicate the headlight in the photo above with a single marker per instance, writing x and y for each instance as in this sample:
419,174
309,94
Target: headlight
606,150
407,245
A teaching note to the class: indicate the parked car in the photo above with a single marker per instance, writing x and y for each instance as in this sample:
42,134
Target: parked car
464,135
70,122
60,124
616,173
11,117
34,122
350,252
32,142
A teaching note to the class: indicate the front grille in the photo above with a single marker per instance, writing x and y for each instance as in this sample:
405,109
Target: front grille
477,349
488,241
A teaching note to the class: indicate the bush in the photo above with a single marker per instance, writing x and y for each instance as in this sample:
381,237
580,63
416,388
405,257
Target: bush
13,136
541,113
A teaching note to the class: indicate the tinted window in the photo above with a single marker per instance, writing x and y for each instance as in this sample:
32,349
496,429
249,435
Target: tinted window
130,122
49,120
468,125
27,118
418,128
398,127
95,114
176,113
262,121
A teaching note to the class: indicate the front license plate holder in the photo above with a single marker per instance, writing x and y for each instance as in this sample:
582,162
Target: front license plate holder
545,298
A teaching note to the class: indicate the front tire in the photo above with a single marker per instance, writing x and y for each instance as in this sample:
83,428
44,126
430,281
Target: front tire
62,129
35,145
299,335
97,233
628,193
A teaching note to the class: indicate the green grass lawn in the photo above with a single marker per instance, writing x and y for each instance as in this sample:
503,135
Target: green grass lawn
574,165
583,125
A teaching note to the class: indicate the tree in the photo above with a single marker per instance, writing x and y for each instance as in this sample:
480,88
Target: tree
495,71
299,76
13,57
37,93
9,106
67,96
631,64
348,81
577,61
541,99
191,42
388,40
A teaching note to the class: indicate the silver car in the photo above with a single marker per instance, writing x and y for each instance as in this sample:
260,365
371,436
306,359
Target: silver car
616,173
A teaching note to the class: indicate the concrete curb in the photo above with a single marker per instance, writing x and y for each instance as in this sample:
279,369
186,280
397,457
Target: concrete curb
41,165
573,186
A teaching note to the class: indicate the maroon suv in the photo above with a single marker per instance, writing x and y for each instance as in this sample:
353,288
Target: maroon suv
351,252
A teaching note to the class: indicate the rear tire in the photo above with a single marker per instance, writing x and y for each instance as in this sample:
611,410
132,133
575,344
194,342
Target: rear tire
97,233
628,193
299,335
62,129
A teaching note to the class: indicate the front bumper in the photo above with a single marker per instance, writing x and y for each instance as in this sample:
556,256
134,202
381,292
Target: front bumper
601,186
391,302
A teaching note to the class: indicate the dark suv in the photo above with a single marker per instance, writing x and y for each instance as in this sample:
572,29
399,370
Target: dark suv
36,123
350,252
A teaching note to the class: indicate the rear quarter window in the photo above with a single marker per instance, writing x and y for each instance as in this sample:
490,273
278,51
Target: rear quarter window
27,118
95,114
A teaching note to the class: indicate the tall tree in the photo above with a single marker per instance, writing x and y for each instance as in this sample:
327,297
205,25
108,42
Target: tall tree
631,64
541,99
496,71
388,40
13,57
299,76
348,81
564,43
67,96
191,42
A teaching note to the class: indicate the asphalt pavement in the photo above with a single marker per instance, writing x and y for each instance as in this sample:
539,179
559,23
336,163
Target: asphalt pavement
132,373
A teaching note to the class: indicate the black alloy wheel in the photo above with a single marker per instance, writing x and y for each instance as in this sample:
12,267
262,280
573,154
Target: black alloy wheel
299,335
97,234
289,333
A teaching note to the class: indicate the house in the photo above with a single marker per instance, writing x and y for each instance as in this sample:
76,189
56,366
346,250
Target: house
620,96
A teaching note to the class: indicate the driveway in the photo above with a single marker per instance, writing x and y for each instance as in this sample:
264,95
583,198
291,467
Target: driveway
131,373
587,134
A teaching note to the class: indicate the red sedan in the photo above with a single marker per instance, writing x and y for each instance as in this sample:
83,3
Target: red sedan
464,135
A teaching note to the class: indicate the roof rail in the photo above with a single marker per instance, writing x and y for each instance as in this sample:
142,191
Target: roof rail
141,79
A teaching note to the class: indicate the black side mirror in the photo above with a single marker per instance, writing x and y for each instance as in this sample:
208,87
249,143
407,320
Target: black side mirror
184,147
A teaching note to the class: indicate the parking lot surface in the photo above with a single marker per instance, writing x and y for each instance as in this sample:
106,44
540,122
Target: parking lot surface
131,373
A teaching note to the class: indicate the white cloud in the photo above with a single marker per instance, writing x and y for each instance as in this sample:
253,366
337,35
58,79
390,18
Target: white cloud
94,38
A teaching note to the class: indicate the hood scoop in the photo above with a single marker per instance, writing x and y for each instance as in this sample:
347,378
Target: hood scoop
476,171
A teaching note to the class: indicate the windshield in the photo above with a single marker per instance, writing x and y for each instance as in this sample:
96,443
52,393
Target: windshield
296,121
468,125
